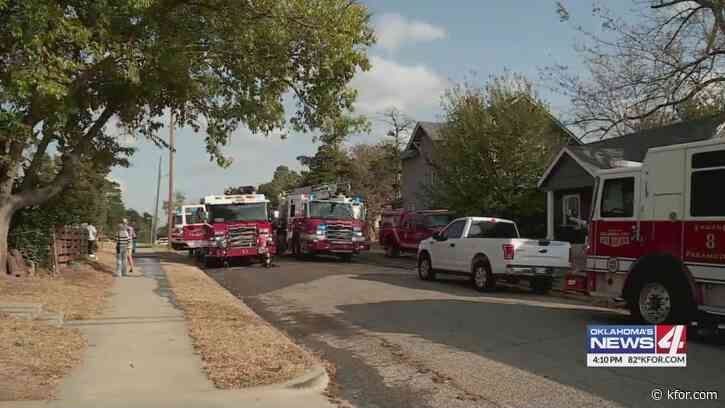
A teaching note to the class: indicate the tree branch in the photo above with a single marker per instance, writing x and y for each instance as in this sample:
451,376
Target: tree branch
68,171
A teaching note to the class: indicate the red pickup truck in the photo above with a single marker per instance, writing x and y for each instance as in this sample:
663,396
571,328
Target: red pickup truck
402,231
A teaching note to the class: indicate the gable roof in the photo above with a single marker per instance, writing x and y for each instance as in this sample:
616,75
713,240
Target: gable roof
434,130
634,146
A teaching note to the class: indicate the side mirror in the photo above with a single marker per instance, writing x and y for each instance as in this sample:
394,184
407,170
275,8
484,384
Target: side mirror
275,214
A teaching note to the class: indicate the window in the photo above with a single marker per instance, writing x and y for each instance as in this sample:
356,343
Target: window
238,212
618,198
454,230
571,208
708,173
194,215
331,210
292,210
437,220
488,229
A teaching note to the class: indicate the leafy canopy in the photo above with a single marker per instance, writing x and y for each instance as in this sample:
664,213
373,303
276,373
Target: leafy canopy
495,144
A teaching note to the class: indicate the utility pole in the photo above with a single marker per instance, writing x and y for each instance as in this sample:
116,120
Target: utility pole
155,220
171,176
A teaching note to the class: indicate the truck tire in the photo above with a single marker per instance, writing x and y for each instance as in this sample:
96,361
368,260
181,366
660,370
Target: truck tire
660,300
482,277
391,249
425,268
541,286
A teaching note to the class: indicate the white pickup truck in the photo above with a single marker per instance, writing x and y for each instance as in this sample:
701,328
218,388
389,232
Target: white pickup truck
489,249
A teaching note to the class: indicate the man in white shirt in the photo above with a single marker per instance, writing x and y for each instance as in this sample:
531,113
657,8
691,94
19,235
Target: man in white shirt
92,236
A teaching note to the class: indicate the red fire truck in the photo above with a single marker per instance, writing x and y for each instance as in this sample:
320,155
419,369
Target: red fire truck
188,232
402,231
237,227
322,219
657,234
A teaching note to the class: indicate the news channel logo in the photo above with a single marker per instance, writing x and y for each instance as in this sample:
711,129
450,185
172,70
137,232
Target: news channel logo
637,346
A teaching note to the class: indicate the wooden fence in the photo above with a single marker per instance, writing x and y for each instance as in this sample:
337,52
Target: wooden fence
69,244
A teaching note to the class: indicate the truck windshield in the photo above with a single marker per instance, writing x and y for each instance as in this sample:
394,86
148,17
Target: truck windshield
438,220
330,210
238,212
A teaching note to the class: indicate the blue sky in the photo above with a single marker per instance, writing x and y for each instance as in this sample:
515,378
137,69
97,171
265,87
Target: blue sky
424,47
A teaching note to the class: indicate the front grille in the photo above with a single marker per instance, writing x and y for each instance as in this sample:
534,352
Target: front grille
339,232
242,237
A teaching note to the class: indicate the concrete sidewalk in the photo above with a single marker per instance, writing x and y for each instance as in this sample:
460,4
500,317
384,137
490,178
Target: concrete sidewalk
140,355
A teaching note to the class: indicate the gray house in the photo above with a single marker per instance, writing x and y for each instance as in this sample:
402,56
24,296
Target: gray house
569,179
417,173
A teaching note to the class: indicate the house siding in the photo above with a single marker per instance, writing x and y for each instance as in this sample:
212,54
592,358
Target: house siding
568,174
415,173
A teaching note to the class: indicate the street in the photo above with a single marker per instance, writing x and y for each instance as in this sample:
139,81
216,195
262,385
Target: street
397,341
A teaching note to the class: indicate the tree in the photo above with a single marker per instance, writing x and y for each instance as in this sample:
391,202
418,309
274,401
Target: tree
399,128
373,176
666,65
68,68
179,200
330,163
283,180
494,146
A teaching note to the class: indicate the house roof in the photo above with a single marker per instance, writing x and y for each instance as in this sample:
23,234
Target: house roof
434,131
634,146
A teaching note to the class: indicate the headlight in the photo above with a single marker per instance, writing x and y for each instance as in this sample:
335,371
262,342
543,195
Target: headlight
321,229
220,241
357,231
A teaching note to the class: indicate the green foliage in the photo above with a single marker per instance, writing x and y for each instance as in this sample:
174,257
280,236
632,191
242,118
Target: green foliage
283,180
495,145
90,198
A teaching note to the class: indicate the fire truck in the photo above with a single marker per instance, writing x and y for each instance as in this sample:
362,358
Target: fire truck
322,219
237,227
657,234
188,232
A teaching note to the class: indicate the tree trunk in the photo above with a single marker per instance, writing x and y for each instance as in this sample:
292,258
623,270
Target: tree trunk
6,214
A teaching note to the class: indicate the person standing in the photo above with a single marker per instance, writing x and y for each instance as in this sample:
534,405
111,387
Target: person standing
131,240
122,242
92,236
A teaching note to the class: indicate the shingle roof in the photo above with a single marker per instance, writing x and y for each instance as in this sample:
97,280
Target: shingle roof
634,146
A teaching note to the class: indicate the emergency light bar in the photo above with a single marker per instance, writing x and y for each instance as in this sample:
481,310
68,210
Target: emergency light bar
235,199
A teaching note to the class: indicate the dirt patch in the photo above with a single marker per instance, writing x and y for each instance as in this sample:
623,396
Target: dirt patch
34,355
238,348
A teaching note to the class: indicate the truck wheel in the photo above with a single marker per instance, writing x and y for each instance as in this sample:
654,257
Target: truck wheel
425,268
482,277
392,250
657,300
297,249
541,286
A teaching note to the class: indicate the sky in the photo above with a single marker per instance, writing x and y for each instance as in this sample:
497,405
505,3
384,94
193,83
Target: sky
423,48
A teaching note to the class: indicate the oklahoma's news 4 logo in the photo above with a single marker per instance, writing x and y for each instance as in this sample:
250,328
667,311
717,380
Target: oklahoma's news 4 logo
637,346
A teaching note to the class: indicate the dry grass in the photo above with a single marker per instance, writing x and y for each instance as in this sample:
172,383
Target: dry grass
34,355
238,348
77,292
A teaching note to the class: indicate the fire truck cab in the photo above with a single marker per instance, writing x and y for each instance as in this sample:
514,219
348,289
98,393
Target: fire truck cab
657,234
322,219
238,227
188,232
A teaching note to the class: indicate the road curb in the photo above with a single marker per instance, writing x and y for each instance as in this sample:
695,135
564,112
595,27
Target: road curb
315,379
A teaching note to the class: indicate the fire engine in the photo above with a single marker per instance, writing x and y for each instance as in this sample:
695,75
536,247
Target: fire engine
188,232
238,226
657,234
322,219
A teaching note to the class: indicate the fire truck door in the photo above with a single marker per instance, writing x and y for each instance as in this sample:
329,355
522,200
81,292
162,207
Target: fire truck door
618,233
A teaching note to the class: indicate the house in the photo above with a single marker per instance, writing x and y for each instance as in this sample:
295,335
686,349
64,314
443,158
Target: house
569,179
417,172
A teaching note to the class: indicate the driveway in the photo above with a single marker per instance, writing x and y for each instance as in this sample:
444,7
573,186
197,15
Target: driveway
397,341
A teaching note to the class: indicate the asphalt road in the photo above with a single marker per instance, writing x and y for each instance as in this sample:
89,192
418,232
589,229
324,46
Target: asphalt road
399,342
